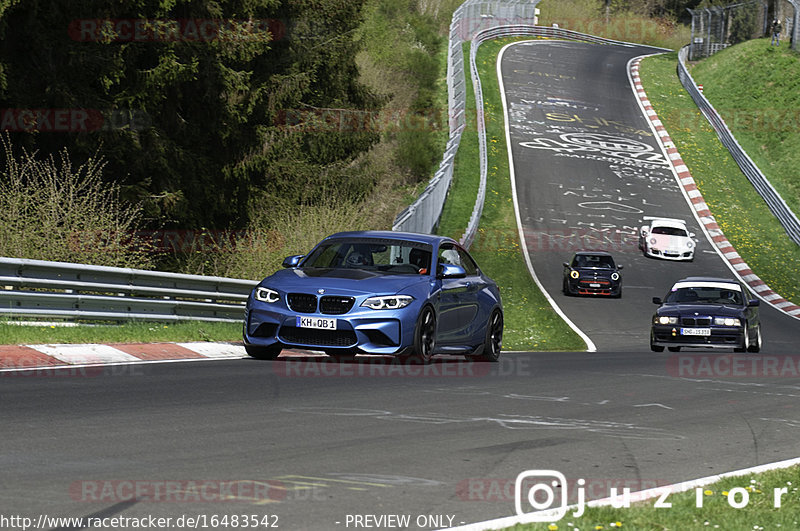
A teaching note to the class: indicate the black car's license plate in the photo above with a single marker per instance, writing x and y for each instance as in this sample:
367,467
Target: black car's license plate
695,331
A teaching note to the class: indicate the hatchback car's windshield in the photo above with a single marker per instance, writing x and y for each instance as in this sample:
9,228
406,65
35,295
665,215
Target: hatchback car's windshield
387,256
586,260
669,231
705,295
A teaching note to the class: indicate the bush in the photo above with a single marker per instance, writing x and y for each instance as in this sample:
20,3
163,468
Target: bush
50,210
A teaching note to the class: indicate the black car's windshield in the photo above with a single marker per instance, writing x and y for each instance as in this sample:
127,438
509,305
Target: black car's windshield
397,257
590,260
705,295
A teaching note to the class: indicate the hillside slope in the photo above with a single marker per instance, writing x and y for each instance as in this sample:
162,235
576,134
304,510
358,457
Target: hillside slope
756,89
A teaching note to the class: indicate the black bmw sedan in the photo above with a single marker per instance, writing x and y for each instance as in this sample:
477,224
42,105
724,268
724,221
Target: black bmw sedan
708,313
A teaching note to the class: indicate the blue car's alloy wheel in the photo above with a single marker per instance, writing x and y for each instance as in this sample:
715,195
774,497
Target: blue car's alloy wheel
424,336
494,338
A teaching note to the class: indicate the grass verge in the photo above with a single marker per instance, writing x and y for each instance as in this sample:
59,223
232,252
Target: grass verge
134,332
739,210
714,507
530,322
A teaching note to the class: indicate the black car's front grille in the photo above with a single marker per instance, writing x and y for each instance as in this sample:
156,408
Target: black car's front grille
302,302
331,304
696,321
319,338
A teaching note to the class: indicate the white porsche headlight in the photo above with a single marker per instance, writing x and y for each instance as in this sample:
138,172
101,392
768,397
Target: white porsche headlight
267,295
690,244
390,302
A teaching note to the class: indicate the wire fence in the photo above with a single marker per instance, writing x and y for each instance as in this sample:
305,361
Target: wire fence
716,28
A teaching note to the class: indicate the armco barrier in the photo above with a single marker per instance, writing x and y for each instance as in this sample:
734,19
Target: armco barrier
762,185
37,288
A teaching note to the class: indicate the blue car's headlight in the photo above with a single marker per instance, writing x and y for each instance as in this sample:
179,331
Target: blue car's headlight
267,295
390,302
727,321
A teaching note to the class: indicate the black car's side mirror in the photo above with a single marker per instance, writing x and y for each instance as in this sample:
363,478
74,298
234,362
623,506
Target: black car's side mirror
566,264
656,300
620,267
754,302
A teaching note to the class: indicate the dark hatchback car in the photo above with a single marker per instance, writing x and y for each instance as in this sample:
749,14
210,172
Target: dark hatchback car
592,273
706,313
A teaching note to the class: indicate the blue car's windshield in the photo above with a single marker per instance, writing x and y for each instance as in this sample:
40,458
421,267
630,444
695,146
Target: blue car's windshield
378,255
705,295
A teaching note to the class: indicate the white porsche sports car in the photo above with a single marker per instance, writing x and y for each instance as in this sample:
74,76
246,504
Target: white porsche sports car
666,238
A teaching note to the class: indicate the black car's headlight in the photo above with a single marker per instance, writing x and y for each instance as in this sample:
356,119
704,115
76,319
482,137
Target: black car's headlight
727,321
615,276
574,274
267,295
665,320
388,302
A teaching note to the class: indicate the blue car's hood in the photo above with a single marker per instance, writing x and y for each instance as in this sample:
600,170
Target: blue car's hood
341,281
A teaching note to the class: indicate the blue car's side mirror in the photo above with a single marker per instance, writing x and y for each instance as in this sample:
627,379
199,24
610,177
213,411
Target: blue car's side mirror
292,261
451,271
753,302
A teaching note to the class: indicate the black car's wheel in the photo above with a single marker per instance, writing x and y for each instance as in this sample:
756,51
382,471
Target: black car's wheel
673,349
494,338
745,340
263,353
424,337
565,287
755,347
653,346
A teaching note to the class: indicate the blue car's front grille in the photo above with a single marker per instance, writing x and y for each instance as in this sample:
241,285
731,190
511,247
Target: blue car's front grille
318,338
334,305
302,302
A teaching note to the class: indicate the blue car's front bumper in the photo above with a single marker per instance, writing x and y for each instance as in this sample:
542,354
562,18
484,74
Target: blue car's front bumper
360,330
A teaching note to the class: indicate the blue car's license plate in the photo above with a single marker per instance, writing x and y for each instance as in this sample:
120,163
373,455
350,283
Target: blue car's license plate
316,322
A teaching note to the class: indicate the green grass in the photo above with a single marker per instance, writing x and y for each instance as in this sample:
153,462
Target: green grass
135,332
715,511
739,210
756,89
530,322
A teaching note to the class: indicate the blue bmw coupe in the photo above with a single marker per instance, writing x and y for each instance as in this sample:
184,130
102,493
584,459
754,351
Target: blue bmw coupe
391,293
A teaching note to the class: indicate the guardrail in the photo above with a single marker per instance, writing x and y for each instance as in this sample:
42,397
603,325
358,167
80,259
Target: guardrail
38,288
774,201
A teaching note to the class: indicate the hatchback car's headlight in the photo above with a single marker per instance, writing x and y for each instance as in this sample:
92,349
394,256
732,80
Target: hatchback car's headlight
665,320
727,321
574,274
390,302
267,295
614,276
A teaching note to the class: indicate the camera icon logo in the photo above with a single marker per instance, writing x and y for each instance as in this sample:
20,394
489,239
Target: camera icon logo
529,499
